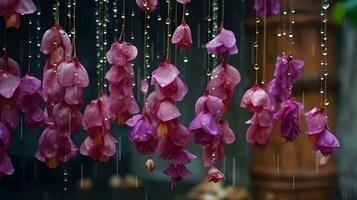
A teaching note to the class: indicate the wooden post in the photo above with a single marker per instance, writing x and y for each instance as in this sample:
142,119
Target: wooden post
288,170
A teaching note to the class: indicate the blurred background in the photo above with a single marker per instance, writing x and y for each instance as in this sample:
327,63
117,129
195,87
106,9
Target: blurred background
283,171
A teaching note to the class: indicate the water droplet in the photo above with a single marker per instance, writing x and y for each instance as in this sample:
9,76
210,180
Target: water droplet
185,60
322,91
256,67
159,18
326,102
325,5
256,44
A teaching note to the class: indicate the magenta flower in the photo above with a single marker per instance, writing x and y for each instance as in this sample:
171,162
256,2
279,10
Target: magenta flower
57,44
177,172
267,8
287,71
12,9
67,119
54,148
121,53
210,104
223,44
259,131
5,162
323,140
52,91
143,134
215,175
256,100
144,86
147,5
99,148
168,84
183,1
9,66
289,116
182,36
224,80
205,128
9,77
72,73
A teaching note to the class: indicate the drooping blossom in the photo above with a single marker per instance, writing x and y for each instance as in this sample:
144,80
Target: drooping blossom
168,84
224,44
54,148
183,1
150,165
121,79
143,134
12,9
210,104
6,166
225,79
182,36
287,71
57,44
267,8
324,141
177,172
256,99
147,5
100,144
214,175
259,131
31,99
289,117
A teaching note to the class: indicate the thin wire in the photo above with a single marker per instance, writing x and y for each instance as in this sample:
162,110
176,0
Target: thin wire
74,29
122,33
264,51
222,19
57,12
145,59
5,41
183,11
168,23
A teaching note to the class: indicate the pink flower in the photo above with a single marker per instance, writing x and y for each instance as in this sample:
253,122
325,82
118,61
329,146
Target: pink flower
259,131
204,127
223,44
144,86
52,90
8,84
9,66
12,9
54,148
267,8
210,104
289,116
147,5
224,80
183,1
256,99
182,36
67,119
5,162
99,148
72,73
57,43
142,134
214,175
121,53
177,172
316,120
326,143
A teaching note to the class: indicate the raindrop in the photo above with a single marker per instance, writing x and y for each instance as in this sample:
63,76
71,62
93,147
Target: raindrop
325,5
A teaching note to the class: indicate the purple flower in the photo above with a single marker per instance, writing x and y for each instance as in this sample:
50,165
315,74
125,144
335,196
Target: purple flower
259,131
204,127
289,115
256,99
5,162
142,134
177,172
224,44
326,143
267,8
210,104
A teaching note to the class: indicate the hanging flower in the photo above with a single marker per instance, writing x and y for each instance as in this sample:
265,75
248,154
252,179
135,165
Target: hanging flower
183,1
256,99
224,80
287,71
147,5
72,73
57,44
259,131
210,104
267,8
121,53
54,148
143,134
214,175
323,140
177,172
223,44
289,115
182,36
150,165
205,128
67,119
168,84
6,166
12,9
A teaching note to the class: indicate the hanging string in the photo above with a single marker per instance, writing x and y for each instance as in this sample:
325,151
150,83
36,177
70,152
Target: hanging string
209,33
73,32
29,47
291,27
264,44
168,23
122,33
57,12
324,64
183,12
222,17
256,46
146,52
5,41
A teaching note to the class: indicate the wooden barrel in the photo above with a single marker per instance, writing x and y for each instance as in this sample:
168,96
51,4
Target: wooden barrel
288,170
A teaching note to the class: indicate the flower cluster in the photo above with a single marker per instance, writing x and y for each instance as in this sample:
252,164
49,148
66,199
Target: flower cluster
208,127
12,9
267,8
63,83
318,131
256,100
121,79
